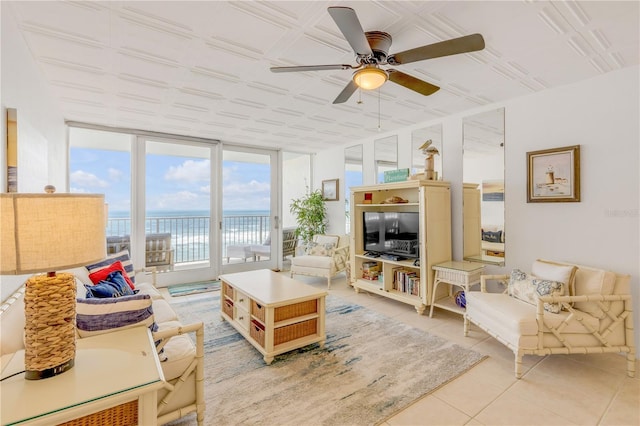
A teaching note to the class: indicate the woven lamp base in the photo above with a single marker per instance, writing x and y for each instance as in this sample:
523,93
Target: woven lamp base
50,333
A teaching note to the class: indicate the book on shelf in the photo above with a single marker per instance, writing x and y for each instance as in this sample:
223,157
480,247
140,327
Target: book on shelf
406,281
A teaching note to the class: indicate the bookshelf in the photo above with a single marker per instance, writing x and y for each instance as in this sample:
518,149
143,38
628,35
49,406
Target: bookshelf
402,280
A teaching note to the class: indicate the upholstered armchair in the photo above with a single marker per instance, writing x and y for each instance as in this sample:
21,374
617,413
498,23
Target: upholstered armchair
325,256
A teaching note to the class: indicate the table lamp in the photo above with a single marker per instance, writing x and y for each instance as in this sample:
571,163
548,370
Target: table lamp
44,233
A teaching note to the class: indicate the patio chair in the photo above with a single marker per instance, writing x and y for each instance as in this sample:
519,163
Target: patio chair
240,251
289,242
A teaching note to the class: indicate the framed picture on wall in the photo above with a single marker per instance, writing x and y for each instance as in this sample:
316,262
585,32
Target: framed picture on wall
553,175
330,190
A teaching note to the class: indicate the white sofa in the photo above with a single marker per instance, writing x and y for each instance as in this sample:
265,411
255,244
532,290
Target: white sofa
594,313
182,359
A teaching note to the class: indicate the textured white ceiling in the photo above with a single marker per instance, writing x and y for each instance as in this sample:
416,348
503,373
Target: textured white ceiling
202,68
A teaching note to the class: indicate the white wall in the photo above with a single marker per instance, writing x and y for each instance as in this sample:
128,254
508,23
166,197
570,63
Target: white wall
40,121
603,230
41,126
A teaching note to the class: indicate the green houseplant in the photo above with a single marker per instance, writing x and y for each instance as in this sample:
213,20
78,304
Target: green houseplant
311,215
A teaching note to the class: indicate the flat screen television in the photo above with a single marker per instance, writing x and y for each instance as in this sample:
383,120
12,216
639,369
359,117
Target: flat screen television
393,233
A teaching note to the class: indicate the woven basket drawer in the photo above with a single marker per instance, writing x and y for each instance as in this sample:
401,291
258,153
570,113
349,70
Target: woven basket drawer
227,307
295,331
256,331
227,290
123,414
285,312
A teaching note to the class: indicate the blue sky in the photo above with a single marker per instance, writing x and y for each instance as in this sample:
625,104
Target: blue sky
177,183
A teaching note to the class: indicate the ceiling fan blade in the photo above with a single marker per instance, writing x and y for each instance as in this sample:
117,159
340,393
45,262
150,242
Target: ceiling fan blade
346,93
412,83
312,68
348,22
465,44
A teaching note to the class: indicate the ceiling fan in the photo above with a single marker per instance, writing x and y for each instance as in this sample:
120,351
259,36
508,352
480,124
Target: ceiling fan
372,51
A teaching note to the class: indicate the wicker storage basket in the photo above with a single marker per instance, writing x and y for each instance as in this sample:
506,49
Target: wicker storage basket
121,415
256,331
295,331
227,307
285,312
227,290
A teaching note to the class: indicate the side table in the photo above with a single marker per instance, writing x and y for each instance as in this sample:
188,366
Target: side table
112,371
454,273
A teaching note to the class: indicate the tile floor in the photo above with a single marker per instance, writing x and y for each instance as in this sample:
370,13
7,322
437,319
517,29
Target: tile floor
554,390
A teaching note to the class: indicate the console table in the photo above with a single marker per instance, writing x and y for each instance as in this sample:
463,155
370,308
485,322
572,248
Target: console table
113,371
275,313
454,273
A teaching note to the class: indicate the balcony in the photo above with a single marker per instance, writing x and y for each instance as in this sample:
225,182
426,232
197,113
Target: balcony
188,236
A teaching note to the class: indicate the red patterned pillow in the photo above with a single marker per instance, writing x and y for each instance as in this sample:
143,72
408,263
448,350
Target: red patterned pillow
102,274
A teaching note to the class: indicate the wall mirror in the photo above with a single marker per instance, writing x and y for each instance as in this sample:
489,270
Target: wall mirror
418,138
352,177
385,155
483,190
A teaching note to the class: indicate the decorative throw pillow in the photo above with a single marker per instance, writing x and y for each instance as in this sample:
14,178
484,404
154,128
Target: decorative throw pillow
315,249
97,316
102,274
492,237
556,272
122,256
114,285
529,288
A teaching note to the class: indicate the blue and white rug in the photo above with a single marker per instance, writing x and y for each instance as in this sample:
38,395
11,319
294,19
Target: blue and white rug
370,368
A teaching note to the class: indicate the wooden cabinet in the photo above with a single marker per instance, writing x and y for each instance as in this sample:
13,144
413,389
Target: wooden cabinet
406,280
273,312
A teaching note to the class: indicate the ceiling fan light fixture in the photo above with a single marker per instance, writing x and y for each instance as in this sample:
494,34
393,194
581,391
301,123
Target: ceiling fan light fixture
370,77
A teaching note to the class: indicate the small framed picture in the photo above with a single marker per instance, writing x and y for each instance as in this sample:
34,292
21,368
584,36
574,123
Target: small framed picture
553,175
330,190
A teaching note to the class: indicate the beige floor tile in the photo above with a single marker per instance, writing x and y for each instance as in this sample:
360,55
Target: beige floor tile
625,407
471,392
509,409
429,411
567,388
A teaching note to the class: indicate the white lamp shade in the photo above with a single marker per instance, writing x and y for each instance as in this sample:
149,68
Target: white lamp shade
370,78
49,232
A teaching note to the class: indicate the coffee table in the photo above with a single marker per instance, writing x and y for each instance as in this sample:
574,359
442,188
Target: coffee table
275,313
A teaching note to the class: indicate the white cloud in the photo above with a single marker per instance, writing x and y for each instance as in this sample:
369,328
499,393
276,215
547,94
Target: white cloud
190,171
206,189
87,180
115,175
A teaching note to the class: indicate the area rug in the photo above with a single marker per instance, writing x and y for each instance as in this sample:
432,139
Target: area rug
193,288
371,367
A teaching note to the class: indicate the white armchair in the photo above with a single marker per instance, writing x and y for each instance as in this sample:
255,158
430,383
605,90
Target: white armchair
325,256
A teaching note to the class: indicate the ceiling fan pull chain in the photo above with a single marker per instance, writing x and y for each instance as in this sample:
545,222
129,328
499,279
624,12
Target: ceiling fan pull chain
379,128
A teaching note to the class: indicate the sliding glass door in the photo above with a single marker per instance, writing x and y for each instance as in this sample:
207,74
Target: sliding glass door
158,195
250,226
177,231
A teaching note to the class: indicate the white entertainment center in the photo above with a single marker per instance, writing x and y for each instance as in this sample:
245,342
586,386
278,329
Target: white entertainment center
410,278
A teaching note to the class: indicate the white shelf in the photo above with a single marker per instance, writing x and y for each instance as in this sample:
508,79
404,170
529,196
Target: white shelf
388,205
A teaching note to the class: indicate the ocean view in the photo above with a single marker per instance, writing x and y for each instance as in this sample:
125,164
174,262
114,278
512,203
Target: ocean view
189,229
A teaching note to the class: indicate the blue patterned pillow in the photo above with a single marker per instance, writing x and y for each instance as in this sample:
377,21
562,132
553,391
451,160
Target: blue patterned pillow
113,286
529,288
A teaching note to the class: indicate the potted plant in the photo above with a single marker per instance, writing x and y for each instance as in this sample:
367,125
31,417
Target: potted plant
311,215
